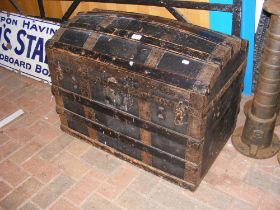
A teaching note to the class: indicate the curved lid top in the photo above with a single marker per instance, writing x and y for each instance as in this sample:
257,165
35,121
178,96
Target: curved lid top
180,54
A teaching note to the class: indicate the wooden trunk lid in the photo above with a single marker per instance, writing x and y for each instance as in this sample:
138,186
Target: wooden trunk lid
181,55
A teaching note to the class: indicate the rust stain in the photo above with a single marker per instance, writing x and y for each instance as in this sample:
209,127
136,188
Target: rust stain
145,136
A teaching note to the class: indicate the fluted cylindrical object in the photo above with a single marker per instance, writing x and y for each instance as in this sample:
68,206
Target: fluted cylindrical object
257,138
268,88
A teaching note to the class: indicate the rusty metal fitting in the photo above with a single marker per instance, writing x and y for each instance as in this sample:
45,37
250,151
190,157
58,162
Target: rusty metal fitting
257,139
257,130
248,106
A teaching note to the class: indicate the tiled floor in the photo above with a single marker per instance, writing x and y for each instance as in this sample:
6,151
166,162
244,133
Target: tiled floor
43,168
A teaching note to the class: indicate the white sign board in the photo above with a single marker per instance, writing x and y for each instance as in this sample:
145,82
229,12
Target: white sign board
22,44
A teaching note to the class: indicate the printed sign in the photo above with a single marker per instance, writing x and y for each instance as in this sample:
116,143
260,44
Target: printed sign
22,44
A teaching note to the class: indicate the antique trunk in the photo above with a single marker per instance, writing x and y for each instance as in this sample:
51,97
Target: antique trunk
158,93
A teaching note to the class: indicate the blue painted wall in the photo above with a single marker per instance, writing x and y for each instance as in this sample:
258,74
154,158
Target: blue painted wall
221,21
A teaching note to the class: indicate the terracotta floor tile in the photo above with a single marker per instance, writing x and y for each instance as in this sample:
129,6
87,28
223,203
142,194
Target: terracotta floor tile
29,206
51,117
123,176
213,197
14,95
236,164
2,115
231,166
270,166
172,198
25,152
4,138
108,183
13,83
98,202
4,91
8,148
4,189
21,194
5,74
24,121
27,104
240,205
42,141
8,107
42,110
42,169
101,160
45,95
52,191
235,187
22,135
133,200
71,166
28,95
98,175
45,130
110,191
12,173
78,147
262,180
56,146
270,202
63,204
276,172
144,183
81,190
28,80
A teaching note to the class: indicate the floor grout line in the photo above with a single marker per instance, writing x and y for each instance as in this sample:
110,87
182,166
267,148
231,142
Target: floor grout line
37,152
44,186
11,154
107,177
29,199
